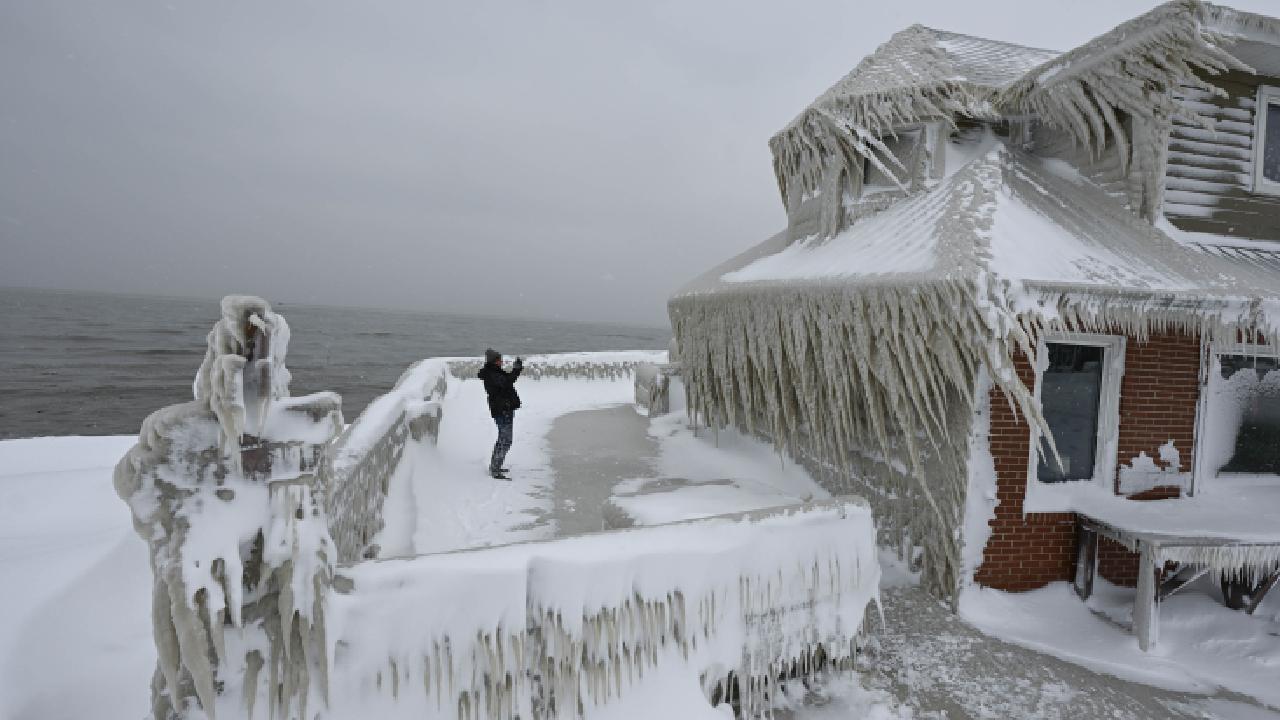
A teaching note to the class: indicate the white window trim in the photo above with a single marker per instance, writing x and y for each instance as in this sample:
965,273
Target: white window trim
1210,352
910,163
1108,441
1267,95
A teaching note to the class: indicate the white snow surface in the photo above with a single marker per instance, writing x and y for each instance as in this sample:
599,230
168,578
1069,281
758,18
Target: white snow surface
75,621
461,506
1002,212
724,471
77,641
1214,511
1203,645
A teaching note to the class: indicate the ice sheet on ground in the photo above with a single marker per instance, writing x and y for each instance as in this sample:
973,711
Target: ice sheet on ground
458,504
711,472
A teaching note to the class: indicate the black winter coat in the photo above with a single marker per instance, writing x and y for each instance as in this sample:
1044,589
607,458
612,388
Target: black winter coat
500,386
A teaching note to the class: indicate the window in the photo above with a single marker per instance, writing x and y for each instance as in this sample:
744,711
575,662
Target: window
1266,135
1242,435
1071,395
903,150
1078,384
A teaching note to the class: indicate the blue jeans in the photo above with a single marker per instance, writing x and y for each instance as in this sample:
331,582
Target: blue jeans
500,448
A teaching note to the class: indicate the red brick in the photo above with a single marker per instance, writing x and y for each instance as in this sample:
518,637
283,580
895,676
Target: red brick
1157,403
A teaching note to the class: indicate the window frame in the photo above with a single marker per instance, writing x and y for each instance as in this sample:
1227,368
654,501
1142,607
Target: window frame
1107,449
909,162
1267,95
1209,356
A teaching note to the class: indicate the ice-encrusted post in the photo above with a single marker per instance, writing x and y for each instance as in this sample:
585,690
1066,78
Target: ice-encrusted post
224,489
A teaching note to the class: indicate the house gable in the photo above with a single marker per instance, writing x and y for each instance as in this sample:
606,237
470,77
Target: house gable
1211,175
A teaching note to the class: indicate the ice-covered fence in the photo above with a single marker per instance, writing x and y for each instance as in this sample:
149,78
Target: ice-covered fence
586,365
364,458
554,629
653,388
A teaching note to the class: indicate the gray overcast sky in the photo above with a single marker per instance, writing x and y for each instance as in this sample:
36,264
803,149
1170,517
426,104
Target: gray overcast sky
576,159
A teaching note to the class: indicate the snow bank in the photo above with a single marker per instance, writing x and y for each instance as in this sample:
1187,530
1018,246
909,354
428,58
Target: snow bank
560,628
75,631
1203,645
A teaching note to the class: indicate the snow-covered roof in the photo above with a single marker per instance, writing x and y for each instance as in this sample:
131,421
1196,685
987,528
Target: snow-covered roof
923,75
1013,218
919,74
920,58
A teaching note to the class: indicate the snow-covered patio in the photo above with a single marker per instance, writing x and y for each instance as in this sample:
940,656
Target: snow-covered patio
76,641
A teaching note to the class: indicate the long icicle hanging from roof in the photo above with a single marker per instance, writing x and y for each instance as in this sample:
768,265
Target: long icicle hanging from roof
1130,72
823,150
855,375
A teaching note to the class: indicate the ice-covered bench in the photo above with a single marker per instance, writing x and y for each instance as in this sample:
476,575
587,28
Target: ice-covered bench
1240,560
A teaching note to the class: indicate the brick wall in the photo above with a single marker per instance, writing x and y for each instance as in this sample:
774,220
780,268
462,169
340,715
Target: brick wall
1023,553
1157,403
1116,563
1158,399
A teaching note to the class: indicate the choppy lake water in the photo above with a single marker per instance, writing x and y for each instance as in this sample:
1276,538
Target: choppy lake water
91,364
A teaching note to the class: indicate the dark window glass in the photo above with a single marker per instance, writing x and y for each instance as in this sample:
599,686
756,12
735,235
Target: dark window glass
1070,393
1254,384
1271,153
902,148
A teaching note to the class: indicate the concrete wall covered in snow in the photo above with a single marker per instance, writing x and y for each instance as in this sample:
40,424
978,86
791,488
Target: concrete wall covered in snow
554,629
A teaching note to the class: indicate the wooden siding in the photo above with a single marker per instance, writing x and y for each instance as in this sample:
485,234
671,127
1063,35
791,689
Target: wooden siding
1209,179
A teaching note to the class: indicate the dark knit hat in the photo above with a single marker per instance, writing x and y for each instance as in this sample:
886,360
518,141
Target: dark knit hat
490,355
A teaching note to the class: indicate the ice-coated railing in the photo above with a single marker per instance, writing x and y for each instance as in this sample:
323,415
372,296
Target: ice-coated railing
653,388
554,629
612,365
372,449
363,459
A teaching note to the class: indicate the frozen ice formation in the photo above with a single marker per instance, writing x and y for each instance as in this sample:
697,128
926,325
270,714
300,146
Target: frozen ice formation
259,518
555,629
223,489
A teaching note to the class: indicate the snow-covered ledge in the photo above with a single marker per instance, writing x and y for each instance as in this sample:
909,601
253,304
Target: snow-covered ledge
725,607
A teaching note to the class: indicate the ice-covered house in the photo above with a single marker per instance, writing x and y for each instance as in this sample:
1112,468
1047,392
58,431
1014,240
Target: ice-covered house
986,242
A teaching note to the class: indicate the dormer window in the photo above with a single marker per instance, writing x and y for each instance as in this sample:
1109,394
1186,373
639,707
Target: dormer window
1266,150
903,148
